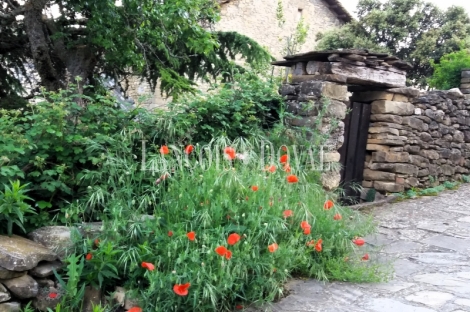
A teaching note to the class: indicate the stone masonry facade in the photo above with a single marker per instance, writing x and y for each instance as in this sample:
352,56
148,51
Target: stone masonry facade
257,20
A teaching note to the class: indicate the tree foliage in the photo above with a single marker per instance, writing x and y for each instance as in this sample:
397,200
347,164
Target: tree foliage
413,30
447,73
170,41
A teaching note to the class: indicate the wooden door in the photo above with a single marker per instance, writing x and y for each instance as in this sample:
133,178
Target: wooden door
353,151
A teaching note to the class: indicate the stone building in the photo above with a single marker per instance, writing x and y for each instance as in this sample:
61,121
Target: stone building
258,20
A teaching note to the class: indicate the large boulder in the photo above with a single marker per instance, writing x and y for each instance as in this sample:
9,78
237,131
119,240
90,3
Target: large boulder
20,254
56,238
7,274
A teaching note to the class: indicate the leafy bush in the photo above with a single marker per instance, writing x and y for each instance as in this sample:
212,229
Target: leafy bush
235,109
13,206
51,144
447,73
174,228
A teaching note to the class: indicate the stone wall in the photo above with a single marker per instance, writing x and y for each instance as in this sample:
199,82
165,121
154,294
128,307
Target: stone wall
304,101
416,140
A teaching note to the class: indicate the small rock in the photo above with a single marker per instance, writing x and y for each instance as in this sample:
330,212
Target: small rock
7,274
92,298
47,298
23,287
10,307
4,294
44,282
45,269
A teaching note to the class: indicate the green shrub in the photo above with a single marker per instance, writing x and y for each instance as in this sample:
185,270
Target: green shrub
52,144
13,206
447,73
215,200
236,109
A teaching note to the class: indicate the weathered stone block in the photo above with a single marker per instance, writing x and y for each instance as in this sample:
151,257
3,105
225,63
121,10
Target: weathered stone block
331,157
389,187
388,142
379,175
308,122
10,307
4,294
415,123
448,170
377,147
412,149
390,107
330,180
419,161
423,173
411,182
326,89
400,98
289,89
336,109
459,136
426,137
429,154
465,86
390,157
387,118
465,80
56,238
465,74
396,149
384,130
409,92
410,169
367,184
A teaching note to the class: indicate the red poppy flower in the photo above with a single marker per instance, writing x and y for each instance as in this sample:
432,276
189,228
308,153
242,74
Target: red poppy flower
188,150
283,159
135,309
328,205
288,213
181,289
230,153
359,241
89,256
164,150
365,257
221,250
273,247
287,168
292,179
170,233
307,230
228,255
337,217
149,266
304,224
239,307
271,168
310,243
191,236
233,238
254,188
97,242
318,246
53,295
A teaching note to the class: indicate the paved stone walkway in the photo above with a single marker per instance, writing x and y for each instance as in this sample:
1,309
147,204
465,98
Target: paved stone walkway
428,240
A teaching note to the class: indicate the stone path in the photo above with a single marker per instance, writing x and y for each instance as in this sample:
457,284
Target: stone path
428,240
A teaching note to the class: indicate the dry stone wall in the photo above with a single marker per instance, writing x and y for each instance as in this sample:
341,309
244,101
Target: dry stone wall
416,139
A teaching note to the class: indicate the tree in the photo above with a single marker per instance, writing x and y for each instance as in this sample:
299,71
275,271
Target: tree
413,30
447,73
170,41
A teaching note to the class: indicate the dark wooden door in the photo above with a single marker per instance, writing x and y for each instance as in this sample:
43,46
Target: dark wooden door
353,151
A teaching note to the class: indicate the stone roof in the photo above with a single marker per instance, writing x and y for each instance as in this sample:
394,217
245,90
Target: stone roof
334,5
